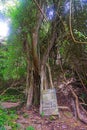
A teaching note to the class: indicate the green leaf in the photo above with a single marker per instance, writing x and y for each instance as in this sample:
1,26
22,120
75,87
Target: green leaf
2,128
30,128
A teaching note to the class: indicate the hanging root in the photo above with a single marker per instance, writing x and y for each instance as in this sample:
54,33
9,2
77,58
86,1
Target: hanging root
79,115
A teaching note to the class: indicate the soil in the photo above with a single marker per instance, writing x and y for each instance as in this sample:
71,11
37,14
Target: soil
65,121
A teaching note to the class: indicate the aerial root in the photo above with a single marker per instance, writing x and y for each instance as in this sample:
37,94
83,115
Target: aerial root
79,115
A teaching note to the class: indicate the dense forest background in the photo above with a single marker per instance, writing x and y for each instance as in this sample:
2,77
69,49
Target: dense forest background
45,34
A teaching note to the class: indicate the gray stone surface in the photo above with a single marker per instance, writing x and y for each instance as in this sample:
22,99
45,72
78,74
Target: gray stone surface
48,104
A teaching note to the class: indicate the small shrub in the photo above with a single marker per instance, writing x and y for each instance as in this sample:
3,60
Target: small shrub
25,115
30,128
7,118
42,114
2,128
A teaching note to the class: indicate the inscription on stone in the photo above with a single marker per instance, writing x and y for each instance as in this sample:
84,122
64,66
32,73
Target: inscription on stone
48,102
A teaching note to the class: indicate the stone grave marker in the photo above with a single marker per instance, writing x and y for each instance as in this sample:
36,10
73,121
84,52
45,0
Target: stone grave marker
48,102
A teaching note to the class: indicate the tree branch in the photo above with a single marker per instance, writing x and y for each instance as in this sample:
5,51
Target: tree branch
40,10
70,25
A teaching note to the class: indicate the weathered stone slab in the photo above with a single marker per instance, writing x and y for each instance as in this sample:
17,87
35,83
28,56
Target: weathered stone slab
9,105
48,102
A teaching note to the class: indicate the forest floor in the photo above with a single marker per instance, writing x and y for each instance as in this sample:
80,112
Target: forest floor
66,121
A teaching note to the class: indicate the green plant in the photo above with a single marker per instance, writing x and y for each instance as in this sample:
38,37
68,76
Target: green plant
83,95
12,97
25,115
2,128
52,118
30,128
42,114
9,98
8,118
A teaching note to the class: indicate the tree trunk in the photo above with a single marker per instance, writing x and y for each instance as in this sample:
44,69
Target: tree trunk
36,92
30,92
29,78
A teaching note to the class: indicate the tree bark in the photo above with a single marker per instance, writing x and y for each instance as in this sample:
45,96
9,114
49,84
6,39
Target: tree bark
36,62
36,77
29,78
30,93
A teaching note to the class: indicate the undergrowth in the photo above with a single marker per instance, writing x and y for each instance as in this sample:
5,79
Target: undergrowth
8,118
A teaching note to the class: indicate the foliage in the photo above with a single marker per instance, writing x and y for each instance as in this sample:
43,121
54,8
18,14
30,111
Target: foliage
13,64
30,128
12,95
22,16
42,114
7,118
2,128
25,115
11,98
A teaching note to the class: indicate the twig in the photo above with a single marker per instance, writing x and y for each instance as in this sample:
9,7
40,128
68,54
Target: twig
82,99
63,107
83,104
40,10
12,87
84,110
8,89
81,81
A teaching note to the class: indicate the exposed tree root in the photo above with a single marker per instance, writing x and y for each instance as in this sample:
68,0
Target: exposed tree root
77,104
80,116
83,110
63,107
81,82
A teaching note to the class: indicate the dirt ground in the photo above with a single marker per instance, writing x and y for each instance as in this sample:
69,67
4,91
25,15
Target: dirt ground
66,121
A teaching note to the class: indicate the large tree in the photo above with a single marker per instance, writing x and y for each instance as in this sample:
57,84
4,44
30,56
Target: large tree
39,27
33,28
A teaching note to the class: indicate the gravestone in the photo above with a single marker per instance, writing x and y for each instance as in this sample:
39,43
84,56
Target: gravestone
48,102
